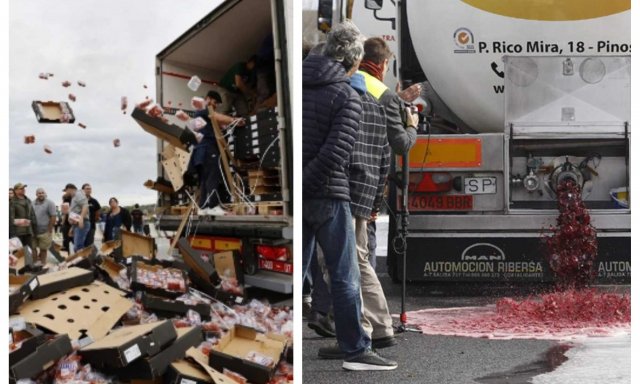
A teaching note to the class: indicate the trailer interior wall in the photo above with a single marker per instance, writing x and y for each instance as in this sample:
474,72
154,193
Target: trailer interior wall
231,33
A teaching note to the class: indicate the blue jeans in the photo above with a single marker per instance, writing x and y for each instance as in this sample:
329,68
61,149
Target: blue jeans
320,296
80,235
328,222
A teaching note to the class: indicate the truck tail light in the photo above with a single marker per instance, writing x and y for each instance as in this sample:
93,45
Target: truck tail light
430,182
272,252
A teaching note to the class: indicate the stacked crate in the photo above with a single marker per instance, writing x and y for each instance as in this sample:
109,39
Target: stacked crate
257,147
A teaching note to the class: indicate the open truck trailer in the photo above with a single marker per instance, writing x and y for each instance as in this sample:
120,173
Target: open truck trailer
517,98
232,33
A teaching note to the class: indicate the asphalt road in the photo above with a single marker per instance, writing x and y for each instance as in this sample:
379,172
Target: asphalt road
436,359
441,359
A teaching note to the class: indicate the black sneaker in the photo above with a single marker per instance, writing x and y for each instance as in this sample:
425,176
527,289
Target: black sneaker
322,325
331,353
369,360
384,342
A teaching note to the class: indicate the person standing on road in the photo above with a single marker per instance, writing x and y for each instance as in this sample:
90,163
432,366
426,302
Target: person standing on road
46,217
22,217
67,235
137,219
369,166
331,112
116,218
94,213
78,216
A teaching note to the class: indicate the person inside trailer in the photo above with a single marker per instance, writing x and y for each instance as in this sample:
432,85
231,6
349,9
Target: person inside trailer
205,159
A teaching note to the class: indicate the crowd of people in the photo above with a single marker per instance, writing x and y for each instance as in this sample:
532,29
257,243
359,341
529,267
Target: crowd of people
352,123
36,222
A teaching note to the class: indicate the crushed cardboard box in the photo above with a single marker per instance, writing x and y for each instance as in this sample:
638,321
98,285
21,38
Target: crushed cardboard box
86,311
153,367
20,289
125,345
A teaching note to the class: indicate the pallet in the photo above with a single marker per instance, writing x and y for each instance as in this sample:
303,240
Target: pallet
262,208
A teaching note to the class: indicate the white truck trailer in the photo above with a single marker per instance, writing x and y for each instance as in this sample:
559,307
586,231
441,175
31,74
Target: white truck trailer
519,96
232,33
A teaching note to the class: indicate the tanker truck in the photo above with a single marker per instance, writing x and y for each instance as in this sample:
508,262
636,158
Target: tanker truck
517,98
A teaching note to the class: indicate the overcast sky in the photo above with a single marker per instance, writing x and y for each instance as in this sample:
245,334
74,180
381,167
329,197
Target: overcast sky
110,45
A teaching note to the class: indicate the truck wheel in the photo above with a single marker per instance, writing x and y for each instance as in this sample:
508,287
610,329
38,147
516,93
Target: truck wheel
250,266
249,260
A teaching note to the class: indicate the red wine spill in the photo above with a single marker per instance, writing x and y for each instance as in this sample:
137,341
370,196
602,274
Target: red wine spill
572,247
572,310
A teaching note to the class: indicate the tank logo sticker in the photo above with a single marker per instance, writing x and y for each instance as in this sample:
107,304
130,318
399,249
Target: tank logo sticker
464,41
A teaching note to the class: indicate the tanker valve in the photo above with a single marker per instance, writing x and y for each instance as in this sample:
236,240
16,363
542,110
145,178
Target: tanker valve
531,182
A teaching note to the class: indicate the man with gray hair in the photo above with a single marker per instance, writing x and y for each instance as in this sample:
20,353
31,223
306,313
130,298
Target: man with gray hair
330,119
46,216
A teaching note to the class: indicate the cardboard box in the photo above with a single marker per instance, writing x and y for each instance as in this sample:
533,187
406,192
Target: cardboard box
20,289
61,280
53,111
85,258
128,344
198,359
175,163
160,185
134,244
109,246
171,133
31,338
138,265
229,269
229,261
185,372
192,258
86,311
44,357
109,269
166,308
155,366
234,349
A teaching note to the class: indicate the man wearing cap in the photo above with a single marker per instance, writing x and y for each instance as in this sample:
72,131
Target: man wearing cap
22,218
78,215
205,158
46,216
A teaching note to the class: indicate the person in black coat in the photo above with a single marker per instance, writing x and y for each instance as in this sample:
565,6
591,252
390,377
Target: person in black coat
117,218
331,111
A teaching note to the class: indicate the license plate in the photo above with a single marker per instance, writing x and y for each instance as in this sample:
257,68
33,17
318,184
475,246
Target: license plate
440,202
480,185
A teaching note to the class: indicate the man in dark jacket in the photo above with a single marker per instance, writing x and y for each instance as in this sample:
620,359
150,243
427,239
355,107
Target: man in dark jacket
368,171
206,156
22,217
331,112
